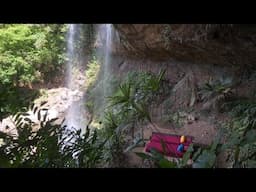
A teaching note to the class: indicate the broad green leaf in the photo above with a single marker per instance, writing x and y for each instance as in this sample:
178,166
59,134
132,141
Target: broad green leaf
164,163
196,154
143,155
205,160
187,155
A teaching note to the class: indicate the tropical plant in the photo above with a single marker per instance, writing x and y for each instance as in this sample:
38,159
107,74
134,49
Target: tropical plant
217,88
148,86
15,99
241,133
136,94
113,153
131,102
206,157
213,93
51,146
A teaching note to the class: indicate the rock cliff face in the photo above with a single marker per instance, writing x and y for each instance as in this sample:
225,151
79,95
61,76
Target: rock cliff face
200,51
220,44
192,54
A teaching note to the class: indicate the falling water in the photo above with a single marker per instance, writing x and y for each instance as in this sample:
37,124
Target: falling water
75,115
70,53
104,47
108,45
107,62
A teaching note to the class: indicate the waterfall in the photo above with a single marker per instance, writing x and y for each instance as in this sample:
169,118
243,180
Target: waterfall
70,53
75,117
107,62
104,43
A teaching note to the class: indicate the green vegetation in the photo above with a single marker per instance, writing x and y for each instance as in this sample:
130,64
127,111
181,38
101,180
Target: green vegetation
178,118
28,52
135,95
241,133
217,88
127,108
115,143
51,146
103,148
215,92
94,87
15,99
92,71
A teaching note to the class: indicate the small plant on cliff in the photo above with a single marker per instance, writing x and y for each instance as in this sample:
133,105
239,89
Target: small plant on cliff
148,86
217,88
138,92
215,92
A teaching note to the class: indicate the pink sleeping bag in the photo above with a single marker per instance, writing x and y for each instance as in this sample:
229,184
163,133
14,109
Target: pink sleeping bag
171,142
